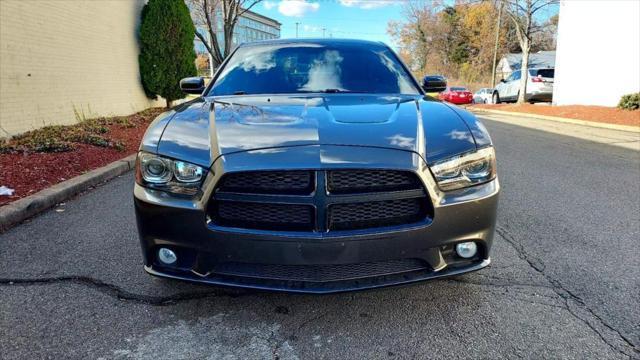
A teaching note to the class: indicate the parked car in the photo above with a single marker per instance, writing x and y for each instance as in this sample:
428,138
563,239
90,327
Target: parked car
539,86
483,96
314,166
457,95
434,81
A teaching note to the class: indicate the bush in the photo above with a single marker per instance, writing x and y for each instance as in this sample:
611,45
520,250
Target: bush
166,48
630,102
59,138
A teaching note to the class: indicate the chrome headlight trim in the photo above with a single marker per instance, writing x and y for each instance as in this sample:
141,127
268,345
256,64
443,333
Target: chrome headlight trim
465,170
169,175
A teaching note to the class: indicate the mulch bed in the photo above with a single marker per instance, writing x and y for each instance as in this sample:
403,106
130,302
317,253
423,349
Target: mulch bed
601,114
28,171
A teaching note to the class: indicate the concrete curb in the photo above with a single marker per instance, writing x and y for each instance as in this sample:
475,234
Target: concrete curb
29,206
628,128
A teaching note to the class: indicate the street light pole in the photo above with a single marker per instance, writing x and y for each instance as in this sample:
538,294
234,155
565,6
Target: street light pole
323,29
297,23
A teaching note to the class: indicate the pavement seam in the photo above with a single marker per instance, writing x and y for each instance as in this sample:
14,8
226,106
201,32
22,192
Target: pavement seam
568,295
120,294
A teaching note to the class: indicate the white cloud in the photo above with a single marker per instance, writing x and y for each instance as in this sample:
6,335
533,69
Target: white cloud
269,5
367,4
297,8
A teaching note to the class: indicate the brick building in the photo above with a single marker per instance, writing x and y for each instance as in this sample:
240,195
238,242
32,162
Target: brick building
62,57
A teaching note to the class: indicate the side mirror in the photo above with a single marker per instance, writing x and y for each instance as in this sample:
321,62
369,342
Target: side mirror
503,81
192,85
434,85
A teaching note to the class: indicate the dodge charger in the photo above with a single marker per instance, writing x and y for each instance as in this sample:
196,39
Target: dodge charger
314,166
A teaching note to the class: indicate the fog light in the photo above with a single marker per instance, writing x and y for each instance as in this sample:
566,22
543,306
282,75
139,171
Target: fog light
167,256
467,250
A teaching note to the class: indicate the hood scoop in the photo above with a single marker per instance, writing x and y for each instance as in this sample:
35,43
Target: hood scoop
372,112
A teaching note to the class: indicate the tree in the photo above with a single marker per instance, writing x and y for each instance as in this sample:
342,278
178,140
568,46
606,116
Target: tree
166,48
521,13
455,40
213,14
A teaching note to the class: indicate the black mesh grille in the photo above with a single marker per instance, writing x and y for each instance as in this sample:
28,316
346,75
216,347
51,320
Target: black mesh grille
269,182
320,273
264,216
287,200
355,181
376,214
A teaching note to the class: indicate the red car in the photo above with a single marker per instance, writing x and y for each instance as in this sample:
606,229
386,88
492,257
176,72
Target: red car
456,95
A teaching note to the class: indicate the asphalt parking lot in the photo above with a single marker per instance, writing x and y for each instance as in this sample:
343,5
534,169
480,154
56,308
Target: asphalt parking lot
564,282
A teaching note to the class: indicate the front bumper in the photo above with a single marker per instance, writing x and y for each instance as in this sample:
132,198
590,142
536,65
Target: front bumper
298,262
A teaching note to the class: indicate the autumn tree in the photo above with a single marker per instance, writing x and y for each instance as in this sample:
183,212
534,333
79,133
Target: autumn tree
521,13
209,14
455,41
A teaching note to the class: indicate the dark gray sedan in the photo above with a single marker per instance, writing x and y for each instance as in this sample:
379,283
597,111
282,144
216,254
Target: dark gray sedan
314,166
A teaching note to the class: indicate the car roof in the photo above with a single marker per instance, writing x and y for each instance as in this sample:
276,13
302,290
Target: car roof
320,41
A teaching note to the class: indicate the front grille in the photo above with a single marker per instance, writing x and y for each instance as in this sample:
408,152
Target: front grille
376,214
319,201
356,181
269,182
264,216
320,273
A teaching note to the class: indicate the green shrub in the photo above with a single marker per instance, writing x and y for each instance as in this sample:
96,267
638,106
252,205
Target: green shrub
630,102
46,139
166,48
60,138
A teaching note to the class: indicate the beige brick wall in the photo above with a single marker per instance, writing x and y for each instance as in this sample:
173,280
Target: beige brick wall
57,55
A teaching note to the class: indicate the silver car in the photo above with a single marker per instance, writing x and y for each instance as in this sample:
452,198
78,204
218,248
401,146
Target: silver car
483,96
539,86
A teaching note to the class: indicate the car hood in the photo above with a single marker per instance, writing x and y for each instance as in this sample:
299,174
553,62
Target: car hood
204,129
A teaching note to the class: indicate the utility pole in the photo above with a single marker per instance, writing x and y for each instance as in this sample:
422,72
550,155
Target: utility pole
297,23
495,46
323,30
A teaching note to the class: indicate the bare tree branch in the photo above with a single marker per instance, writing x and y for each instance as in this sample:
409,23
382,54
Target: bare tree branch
204,13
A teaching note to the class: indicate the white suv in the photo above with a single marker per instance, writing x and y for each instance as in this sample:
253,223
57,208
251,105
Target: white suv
539,86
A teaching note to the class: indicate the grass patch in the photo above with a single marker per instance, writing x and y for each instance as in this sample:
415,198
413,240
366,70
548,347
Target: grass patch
61,138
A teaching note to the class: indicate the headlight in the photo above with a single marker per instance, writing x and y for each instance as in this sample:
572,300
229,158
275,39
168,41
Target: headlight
164,174
466,170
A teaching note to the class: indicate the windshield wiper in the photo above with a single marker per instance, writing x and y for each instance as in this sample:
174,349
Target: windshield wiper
333,91
240,92
341,91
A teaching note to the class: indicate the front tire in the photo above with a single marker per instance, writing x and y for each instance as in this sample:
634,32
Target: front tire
496,98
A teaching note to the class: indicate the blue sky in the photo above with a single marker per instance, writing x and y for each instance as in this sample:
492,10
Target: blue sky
361,19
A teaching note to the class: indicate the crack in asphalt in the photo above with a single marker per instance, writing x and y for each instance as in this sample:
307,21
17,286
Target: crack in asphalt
120,294
567,296
292,336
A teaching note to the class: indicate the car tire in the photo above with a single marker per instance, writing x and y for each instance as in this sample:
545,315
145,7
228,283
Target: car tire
484,101
496,98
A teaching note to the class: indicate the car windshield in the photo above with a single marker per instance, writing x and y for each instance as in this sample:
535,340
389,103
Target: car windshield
458,89
313,67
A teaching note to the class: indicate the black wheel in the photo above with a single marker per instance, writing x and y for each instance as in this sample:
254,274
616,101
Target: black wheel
496,98
484,101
